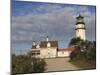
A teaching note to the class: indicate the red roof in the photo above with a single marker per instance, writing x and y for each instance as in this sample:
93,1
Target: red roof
67,49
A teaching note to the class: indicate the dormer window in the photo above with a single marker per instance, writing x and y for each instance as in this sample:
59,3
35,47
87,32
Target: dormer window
48,44
38,46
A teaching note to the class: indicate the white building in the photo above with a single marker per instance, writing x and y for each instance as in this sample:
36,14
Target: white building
46,49
65,52
49,49
80,28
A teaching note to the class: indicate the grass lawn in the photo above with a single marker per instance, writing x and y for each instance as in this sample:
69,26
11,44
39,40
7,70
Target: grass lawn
83,64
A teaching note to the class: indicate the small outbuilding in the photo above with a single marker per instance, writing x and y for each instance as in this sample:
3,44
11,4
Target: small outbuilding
65,52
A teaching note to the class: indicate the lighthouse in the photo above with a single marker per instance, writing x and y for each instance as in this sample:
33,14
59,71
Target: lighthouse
80,27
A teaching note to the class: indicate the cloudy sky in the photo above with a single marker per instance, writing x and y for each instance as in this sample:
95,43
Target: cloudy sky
33,21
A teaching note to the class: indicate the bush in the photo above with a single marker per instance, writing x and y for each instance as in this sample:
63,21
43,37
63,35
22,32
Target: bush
23,64
38,65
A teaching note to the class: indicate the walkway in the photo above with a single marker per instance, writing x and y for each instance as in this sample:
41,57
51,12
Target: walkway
59,64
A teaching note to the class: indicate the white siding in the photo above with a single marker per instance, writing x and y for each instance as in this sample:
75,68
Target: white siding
48,52
63,53
34,53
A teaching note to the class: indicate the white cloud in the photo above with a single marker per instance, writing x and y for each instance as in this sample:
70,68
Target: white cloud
57,22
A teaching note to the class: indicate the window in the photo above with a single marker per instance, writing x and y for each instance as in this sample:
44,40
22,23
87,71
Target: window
36,52
33,53
62,52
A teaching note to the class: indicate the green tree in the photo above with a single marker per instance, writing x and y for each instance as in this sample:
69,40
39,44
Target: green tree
75,41
91,53
84,50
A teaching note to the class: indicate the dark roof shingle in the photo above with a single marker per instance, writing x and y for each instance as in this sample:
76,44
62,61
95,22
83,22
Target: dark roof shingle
43,44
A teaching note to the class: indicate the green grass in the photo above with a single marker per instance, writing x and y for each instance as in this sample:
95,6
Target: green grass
83,64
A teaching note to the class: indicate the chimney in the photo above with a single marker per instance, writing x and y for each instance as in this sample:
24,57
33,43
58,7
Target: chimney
34,43
47,39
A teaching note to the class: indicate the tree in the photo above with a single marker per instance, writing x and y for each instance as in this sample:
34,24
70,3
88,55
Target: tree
79,47
75,41
84,50
91,52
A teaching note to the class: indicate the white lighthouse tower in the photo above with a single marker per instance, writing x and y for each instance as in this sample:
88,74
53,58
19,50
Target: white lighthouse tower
80,27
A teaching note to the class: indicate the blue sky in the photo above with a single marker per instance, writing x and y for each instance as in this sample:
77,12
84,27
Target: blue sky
33,21
22,7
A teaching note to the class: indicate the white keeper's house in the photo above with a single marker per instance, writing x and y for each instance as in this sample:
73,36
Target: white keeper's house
45,49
